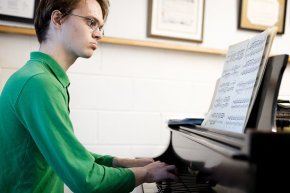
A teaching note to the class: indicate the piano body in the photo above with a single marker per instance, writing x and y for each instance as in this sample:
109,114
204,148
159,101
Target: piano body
211,160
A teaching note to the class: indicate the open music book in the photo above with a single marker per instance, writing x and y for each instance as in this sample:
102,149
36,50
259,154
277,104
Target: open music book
239,83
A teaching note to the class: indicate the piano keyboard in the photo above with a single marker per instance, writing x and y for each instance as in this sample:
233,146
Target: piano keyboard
186,184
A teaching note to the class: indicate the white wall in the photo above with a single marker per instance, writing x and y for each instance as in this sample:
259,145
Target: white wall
122,96
128,19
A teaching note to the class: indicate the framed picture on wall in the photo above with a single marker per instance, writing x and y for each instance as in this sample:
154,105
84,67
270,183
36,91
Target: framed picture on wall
259,15
18,10
176,19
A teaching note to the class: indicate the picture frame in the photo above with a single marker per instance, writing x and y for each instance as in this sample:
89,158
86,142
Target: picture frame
260,15
178,20
22,11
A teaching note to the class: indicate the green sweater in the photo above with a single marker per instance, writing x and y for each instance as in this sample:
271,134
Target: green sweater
38,149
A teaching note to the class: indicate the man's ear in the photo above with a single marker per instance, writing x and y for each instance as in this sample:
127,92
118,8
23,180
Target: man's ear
56,18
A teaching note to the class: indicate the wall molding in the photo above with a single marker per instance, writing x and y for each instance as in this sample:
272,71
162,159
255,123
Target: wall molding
128,42
121,41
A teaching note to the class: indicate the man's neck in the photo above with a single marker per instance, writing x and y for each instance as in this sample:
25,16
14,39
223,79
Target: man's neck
62,57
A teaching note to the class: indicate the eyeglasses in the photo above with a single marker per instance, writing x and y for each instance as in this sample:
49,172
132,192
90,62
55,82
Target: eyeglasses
92,23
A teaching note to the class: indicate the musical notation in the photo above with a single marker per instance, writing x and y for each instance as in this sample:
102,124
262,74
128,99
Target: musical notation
244,86
218,115
250,70
235,56
214,122
227,86
222,102
252,62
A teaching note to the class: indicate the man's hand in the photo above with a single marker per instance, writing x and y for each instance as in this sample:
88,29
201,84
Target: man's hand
154,172
160,171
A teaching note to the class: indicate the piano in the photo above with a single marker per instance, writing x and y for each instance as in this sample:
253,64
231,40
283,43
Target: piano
217,161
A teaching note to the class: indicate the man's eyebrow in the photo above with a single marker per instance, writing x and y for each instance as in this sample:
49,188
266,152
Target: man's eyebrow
98,21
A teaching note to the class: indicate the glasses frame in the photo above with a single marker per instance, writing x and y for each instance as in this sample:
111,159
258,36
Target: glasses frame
91,20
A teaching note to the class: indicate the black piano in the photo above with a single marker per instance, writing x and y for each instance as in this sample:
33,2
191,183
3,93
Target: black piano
212,160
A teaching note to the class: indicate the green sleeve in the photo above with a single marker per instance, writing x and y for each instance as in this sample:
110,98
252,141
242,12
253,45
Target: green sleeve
105,160
43,109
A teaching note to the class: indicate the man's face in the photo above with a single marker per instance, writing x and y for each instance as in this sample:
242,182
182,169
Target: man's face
77,35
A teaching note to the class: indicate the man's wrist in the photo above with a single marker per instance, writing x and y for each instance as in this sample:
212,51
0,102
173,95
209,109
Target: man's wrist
115,162
141,175
120,162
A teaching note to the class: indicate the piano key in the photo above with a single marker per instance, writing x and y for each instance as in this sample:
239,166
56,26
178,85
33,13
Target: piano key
185,184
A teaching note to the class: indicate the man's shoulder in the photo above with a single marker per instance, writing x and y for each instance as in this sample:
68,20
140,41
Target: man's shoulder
33,75
31,71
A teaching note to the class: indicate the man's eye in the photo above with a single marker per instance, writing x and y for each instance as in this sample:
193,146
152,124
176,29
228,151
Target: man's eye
92,23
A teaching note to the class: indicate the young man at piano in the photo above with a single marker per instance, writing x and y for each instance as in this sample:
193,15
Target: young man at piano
39,151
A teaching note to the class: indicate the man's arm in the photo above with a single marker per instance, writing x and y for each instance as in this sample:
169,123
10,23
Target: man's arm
129,163
43,110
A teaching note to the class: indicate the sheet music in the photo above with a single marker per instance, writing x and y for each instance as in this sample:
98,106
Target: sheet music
235,91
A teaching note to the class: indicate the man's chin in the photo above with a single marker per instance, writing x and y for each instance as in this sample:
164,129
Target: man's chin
87,54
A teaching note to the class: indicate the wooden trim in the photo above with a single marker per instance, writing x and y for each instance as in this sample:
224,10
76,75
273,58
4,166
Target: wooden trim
121,41
19,30
127,42
167,46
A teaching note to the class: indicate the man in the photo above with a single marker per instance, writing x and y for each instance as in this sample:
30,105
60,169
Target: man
39,151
